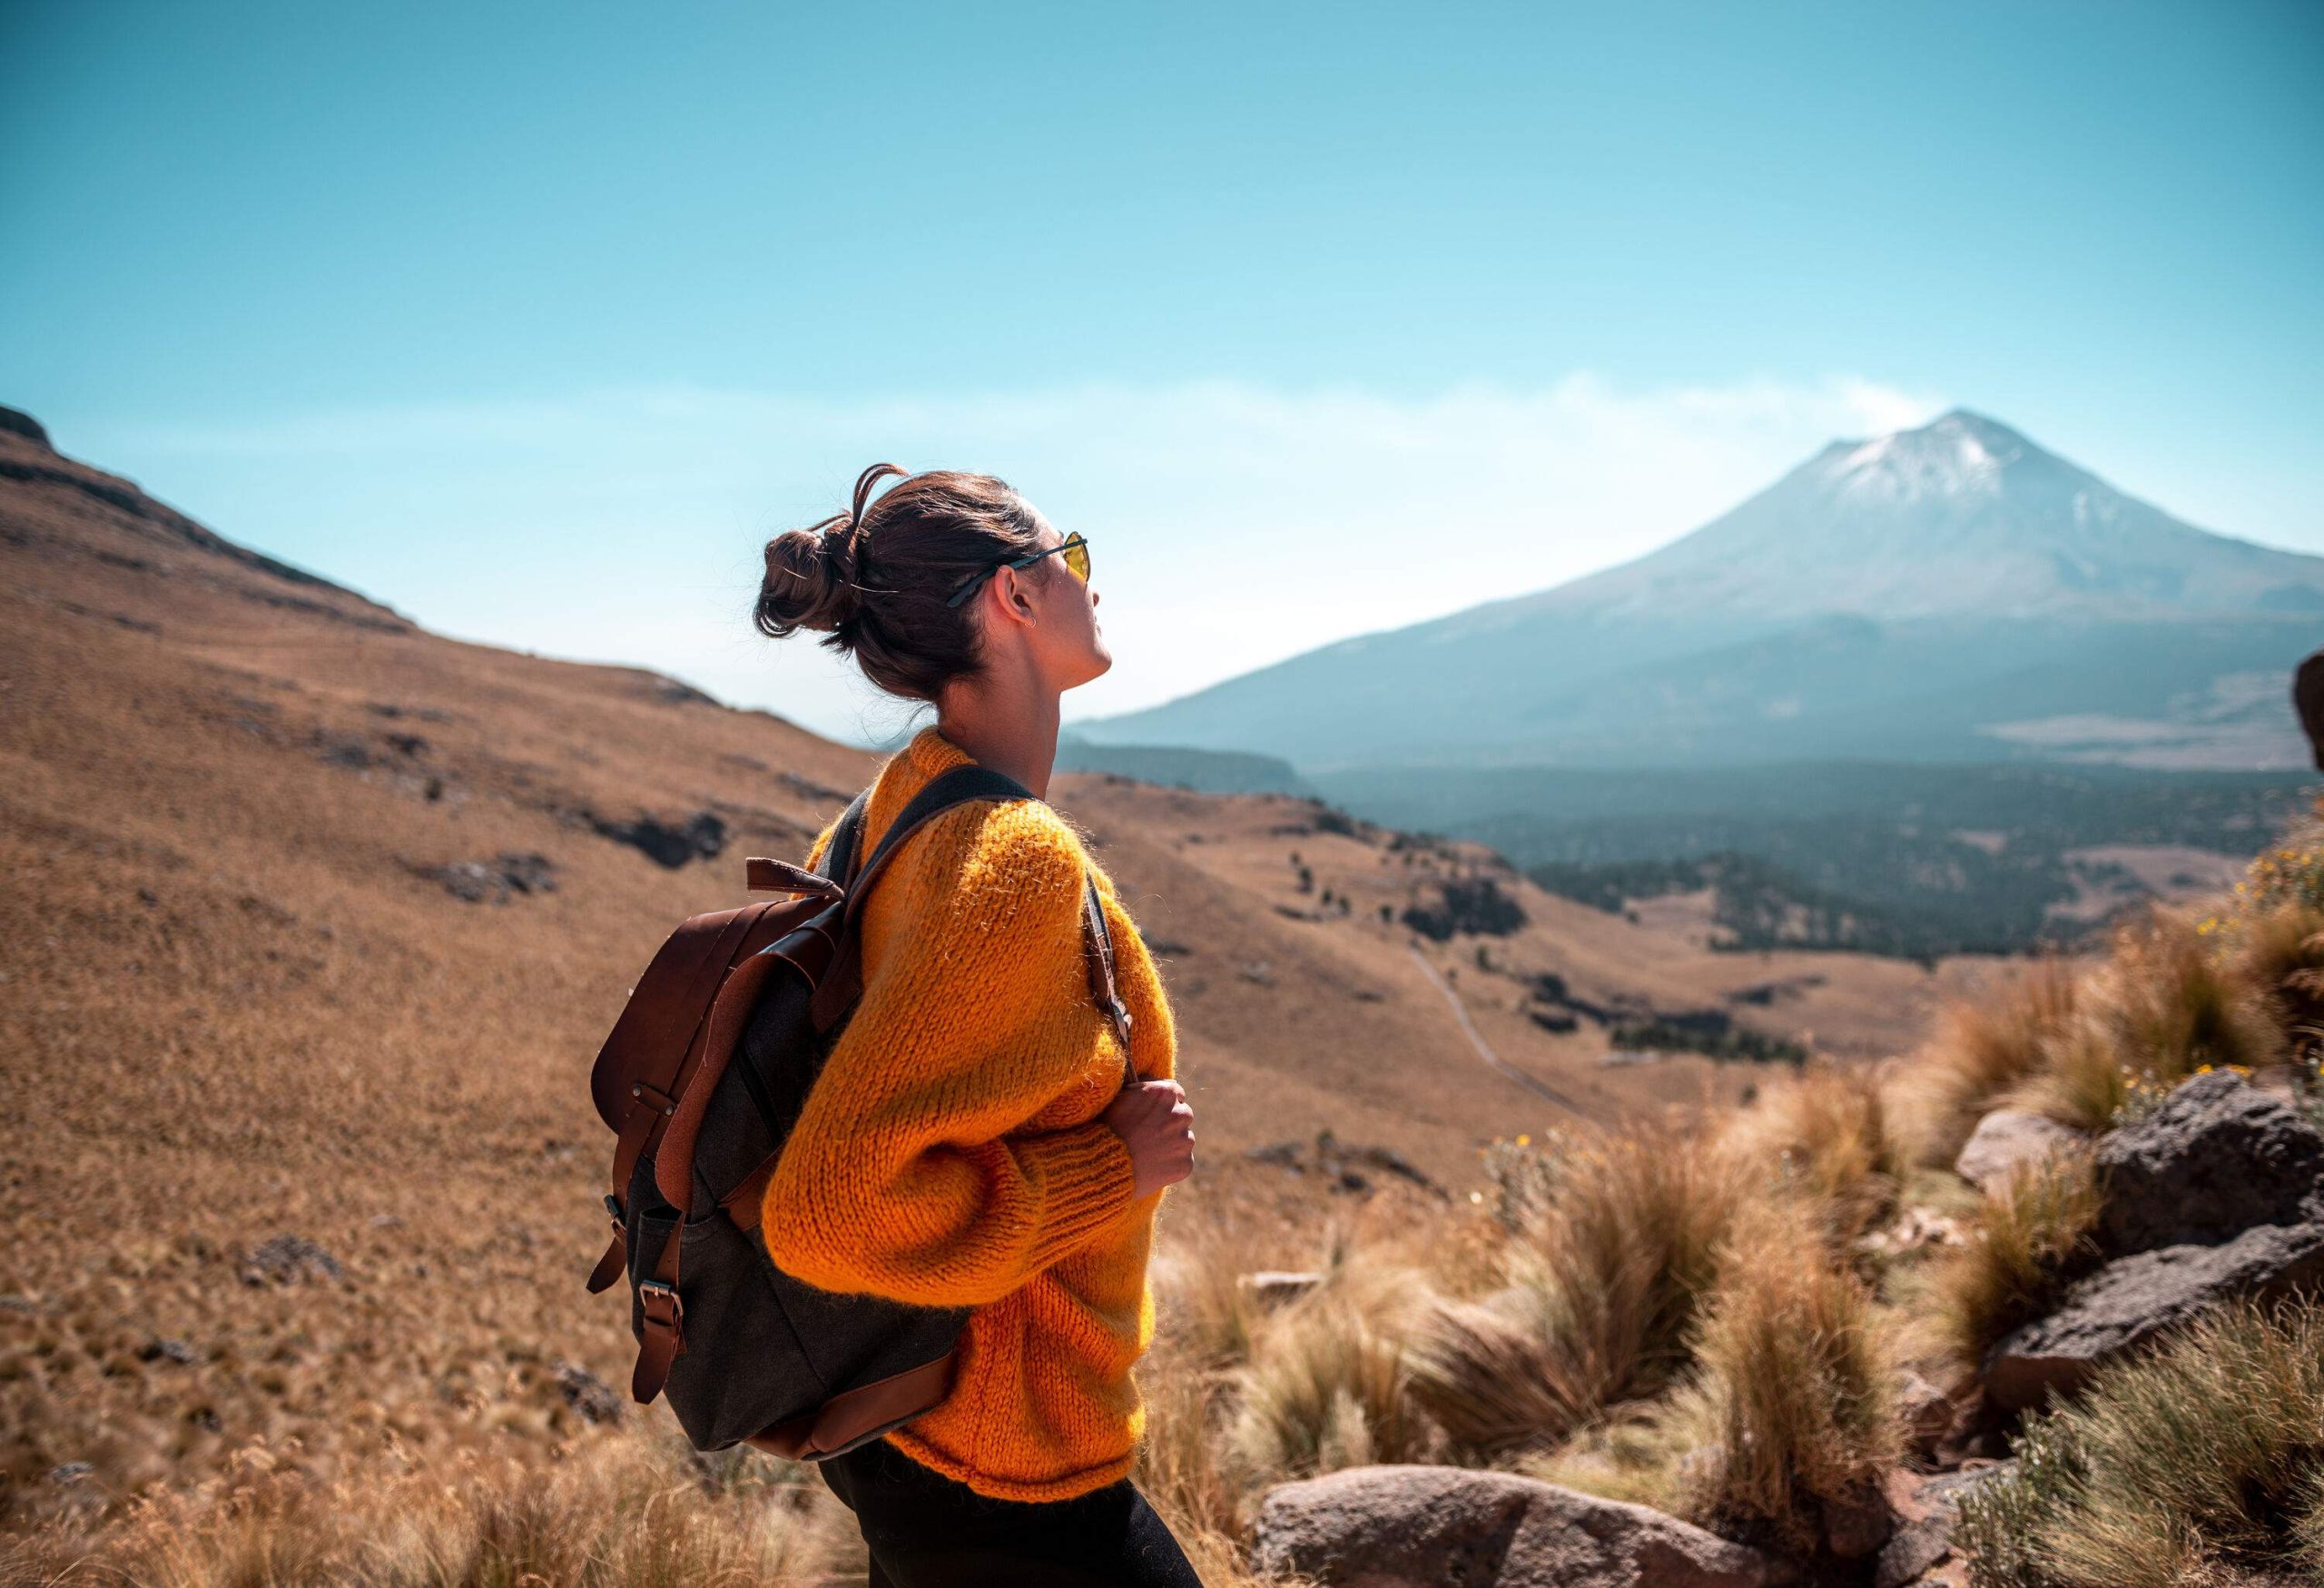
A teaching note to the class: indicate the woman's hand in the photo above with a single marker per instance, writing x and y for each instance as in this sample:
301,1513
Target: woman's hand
1156,1121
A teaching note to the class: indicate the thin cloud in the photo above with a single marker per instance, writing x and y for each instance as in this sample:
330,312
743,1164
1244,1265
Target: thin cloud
1234,524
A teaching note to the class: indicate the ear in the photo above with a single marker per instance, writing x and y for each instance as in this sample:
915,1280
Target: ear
1013,596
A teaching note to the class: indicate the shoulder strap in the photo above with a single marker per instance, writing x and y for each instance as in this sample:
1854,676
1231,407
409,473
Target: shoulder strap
1100,945
843,980
839,857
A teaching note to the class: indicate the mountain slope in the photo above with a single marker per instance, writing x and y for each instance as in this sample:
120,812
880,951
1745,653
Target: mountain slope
1951,592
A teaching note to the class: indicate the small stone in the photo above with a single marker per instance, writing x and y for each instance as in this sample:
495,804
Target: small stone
2005,1139
176,1351
587,1393
288,1259
71,1472
1273,1287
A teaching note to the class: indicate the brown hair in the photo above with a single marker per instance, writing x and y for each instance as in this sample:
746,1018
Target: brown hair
875,577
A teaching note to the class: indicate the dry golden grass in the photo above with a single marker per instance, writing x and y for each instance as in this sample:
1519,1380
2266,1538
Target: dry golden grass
1796,1384
2171,1006
2030,1238
618,1512
1598,1292
1824,1138
2200,1463
1328,1384
1983,1048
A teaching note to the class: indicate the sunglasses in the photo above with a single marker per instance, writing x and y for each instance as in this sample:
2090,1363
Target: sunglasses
1077,557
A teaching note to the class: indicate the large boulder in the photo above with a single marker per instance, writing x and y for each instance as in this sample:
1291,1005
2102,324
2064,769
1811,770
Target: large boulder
2005,1139
2216,1158
2133,1300
1408,1526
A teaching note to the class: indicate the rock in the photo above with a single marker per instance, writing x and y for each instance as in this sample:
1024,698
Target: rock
70,1472
1408,1526
176,1351
2218,1156
587,1393
1855,1526
1926,1512
16,422
701,836
1924,1411
2005,1139
1282,1154
1273,1287
472,882
289,1257
477,882
2132,1299
2308,700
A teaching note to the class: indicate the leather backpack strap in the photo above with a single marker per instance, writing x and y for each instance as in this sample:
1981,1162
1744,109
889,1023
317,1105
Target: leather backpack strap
838,855
1102,992
843,980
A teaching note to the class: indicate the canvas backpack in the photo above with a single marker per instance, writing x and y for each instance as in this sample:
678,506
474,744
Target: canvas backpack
702,1079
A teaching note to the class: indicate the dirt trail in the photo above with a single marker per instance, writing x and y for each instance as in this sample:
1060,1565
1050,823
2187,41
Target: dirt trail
1477,1040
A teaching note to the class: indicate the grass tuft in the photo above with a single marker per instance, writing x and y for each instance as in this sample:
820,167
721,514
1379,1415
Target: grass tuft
1983,1048
2031,1238
2201,1461
1600,1291
1795,1385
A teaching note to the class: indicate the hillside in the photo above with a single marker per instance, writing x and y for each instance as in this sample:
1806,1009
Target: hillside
316,919
1949,593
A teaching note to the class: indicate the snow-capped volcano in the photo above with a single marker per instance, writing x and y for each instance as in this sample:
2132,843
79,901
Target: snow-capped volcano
1962,516
1953,592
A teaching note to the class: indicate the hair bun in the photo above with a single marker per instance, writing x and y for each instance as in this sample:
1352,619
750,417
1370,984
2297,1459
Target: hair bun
810,580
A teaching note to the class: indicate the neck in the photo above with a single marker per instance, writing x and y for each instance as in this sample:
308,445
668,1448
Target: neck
1011,731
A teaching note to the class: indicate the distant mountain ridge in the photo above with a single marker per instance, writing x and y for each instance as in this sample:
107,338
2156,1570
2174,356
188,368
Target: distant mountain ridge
1950,593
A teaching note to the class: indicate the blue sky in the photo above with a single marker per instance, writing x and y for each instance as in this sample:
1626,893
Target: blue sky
535,322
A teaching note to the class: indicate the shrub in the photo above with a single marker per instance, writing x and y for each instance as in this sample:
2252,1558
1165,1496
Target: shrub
1795,1383
2032,1237
2170,1007
619,1510
1466,904
1329,1381
2200,1462
1983,1048
2278,951
1600,1291
1824,1138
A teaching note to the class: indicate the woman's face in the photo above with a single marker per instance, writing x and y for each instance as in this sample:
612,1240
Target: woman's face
1056,617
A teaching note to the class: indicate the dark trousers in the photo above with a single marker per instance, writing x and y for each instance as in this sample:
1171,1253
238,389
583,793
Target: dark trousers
925,1531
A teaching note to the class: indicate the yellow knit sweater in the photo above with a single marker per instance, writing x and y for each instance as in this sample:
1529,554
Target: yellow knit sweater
951,1153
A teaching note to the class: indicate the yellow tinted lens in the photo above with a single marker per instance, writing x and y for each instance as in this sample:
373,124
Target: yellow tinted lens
1077,557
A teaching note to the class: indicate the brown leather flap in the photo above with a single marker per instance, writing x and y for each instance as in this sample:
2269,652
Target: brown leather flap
854,1415
780,876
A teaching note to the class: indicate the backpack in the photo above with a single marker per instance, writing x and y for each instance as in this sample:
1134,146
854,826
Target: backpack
702,1079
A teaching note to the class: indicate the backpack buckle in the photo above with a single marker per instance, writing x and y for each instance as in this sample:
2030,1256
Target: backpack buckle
613,1211
663,1310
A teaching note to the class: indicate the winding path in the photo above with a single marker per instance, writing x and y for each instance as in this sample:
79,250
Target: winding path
1477,1040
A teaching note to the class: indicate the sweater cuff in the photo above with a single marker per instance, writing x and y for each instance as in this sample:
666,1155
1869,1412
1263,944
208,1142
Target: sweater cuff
1087,1180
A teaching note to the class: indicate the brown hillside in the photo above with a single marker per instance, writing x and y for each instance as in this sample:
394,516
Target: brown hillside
280,962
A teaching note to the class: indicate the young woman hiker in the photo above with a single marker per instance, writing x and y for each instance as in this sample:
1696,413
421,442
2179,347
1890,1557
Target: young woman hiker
971,1142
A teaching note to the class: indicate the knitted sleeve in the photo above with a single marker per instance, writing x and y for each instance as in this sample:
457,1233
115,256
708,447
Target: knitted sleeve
912,1173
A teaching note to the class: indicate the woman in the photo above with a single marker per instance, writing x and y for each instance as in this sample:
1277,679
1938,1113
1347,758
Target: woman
969,1141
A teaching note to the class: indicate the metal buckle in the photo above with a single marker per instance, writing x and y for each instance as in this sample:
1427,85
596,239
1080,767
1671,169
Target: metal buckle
613,1211
651,1291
